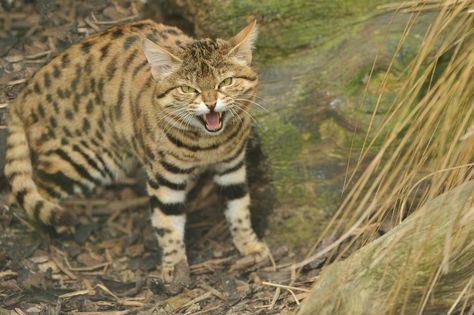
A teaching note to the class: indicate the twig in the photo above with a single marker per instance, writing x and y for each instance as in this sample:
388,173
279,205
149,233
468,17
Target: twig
118,299
287,287
77,293
63,269
24,221
275,298
86,202
18,58
105,264
83,30
119,206
301,296
213,291
294,296
16,82
277,267
37,61
206,311
107,290
118,21
19,311
272,260
90,268
248,261
118,227
12,15
200,298
7,273
216,261
31,31
103,313
92,24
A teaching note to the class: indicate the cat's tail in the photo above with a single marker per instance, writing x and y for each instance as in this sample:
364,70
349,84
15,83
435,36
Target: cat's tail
19,173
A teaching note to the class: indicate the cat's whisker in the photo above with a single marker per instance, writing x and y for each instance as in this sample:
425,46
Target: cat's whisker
176,122
174,112
231,112
240,103
257,97
177,114
244,110
250,116
252,102
260,106
188,118
235,113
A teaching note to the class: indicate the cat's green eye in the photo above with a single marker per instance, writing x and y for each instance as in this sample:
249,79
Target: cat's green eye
226,82
187,89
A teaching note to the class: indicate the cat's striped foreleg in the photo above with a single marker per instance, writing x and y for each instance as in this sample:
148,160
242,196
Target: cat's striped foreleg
231,182
167,193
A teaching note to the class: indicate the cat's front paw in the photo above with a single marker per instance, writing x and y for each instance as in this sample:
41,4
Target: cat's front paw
256,249
176,276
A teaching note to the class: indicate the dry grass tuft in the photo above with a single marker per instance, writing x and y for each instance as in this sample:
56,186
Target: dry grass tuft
427,149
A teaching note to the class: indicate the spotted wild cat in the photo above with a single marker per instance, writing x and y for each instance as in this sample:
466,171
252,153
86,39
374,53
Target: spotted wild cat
138,94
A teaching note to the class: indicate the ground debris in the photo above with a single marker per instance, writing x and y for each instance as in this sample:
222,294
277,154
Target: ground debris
109,271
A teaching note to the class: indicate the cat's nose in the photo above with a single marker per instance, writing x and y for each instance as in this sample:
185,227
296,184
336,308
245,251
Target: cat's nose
211,104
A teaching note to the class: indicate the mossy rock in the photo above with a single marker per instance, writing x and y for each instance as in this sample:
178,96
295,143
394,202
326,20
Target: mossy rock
314,58
364,282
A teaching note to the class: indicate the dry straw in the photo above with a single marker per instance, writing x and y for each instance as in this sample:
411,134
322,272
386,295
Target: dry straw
425,148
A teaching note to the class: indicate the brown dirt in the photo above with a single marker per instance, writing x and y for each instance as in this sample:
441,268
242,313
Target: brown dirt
110,264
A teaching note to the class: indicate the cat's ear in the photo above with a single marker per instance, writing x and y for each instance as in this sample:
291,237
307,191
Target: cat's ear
243,44
162,61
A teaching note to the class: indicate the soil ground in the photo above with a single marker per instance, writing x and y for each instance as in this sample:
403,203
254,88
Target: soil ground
110,264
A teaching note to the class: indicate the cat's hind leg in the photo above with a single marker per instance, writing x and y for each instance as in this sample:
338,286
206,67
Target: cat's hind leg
62,172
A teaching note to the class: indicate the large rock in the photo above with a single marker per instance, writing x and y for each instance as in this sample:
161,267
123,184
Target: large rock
373,280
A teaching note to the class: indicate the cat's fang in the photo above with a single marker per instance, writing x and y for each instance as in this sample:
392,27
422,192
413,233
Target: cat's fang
213,120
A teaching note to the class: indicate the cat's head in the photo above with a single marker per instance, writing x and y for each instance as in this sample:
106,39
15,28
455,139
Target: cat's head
205,84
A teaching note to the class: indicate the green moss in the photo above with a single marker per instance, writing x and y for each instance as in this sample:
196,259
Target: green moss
306,175
278,133
284,142
287,25
296,227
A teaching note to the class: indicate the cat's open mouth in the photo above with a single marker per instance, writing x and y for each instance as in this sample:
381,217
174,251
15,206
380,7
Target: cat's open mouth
212,121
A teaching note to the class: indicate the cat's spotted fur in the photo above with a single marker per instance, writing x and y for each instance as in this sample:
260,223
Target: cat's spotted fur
145,94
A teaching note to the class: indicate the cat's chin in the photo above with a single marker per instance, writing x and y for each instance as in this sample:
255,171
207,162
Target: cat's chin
214,132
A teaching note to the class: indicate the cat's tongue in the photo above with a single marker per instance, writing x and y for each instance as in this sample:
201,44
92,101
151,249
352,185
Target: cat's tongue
213,121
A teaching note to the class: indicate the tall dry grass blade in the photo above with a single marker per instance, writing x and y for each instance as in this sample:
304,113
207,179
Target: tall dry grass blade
421,154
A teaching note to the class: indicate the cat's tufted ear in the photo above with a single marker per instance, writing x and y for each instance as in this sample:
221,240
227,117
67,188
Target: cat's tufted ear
162,61
243,44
